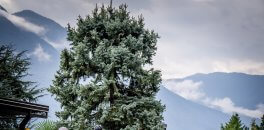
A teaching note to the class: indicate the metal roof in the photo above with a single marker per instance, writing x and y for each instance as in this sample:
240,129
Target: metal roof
10,108
15,107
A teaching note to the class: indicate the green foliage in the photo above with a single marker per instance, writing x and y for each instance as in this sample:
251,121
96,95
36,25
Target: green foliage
234,124
262,123
46,125
254,126
102,80
13,68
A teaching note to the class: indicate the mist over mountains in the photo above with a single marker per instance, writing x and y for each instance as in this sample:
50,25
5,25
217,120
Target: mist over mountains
2,8
236,86
211,98
27,30
204,100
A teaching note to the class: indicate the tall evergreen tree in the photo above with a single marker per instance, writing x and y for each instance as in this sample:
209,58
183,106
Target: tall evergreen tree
13,70
102,78
254,126
262,123
234,124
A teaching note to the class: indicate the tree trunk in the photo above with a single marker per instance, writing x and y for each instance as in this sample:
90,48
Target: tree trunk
112,91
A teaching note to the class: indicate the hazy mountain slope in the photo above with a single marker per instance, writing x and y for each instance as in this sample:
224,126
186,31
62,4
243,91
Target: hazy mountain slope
20,38
2,8
42,70
244,90
182,114
25,40
54,31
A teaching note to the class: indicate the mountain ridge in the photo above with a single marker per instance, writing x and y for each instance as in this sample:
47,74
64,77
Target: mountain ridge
43,55
179,111
53,31
2,8
244,90
212,73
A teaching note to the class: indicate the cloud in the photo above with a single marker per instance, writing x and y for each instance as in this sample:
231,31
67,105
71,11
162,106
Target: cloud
62,11
191,90
226,105
59,44
186,89
197,36
41,55
56,9
181,67
246,66
203,0
9,5
22,23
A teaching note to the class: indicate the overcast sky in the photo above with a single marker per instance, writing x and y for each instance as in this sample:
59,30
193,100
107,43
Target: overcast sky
197,36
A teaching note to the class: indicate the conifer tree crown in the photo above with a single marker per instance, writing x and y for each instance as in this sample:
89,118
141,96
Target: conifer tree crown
102,80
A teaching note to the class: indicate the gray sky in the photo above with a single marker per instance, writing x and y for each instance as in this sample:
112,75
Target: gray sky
196,35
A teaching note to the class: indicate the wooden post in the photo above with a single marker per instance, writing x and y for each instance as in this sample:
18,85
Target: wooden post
23,124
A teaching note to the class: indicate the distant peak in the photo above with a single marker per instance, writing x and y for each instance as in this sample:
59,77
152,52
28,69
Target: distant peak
2,8
37,18
28,11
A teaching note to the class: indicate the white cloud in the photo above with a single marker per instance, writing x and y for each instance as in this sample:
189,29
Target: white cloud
41,54
227,106
197,36
62,11
22,23
203,0
187,89
59,45
246,66
180,68
191,90
9,5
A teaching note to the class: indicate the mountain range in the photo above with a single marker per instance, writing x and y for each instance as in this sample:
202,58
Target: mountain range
2,8
21,30
196,102
232,85
221,94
